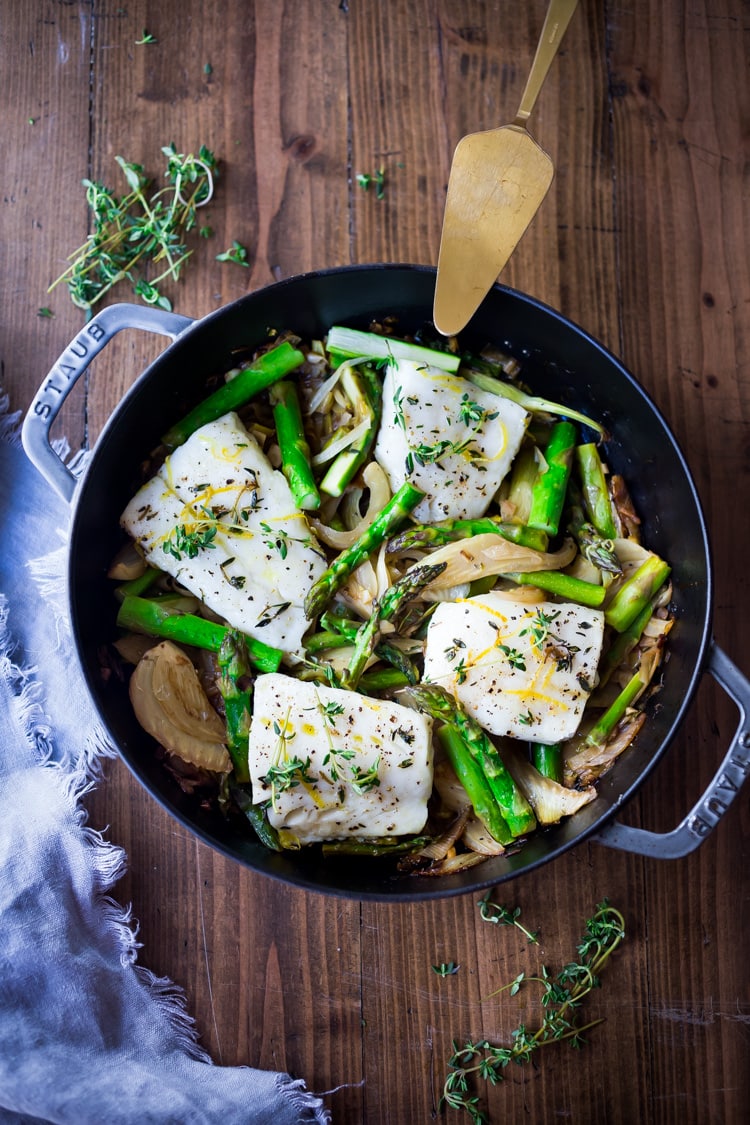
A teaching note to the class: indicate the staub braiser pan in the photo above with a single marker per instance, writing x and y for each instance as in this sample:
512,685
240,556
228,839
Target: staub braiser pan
559,361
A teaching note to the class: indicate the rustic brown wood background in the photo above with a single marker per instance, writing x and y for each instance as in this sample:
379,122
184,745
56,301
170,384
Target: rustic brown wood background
643,240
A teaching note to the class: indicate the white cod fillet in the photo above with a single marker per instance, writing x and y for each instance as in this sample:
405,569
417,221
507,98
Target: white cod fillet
448,438
263,558
521,670
337,765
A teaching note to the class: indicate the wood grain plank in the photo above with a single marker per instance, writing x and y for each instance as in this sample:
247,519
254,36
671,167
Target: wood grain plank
274,109
677,122
45,102
642,240
396,93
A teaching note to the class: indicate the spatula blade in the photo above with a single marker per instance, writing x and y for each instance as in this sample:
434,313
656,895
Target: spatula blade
498,181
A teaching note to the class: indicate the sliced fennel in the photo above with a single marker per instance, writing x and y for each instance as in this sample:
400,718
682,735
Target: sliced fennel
530,402
353,342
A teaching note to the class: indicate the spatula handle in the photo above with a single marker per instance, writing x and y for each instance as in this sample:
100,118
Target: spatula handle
555,25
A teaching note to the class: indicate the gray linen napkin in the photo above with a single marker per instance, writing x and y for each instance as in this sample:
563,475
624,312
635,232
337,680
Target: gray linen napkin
86,1034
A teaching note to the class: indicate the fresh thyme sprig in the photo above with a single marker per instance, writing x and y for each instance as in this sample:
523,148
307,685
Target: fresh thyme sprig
561,997
426,453
540,627
140,229
237,253
364,779
503,916
181,542
365,180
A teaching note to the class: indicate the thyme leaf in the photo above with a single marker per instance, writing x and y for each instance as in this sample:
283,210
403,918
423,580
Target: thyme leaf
446,968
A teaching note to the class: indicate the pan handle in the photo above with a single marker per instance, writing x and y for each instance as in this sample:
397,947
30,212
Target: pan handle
74,361
724,787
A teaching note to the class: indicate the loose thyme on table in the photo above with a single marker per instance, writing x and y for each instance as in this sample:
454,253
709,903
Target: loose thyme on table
562,995
140,237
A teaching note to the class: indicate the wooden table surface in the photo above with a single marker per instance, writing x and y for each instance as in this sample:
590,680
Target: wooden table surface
643,240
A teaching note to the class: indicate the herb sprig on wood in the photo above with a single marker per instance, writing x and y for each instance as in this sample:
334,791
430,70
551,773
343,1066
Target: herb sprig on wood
562,996
141,229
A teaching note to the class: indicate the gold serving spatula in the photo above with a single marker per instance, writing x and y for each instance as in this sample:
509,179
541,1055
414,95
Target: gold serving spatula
497,183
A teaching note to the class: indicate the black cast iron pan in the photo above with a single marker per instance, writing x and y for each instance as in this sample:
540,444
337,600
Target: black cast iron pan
560,361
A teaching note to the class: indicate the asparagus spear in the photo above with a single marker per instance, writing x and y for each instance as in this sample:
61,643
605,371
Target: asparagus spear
624,643
547,758
383,679
595,491
144,615
564,585
295,451
599,551
326,638
516,810
345,630
234,667
265,370
365,394
388,608
470,775
604,726
438,534
548,491
636,593
139,585
256,815
394,513
378,848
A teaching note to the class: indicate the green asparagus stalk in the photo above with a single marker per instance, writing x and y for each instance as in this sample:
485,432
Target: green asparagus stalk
392,516
547,759
600,552
604,726
624,643
530,402
516,810
350,342
388,608
375,848
564,585
145,615
397,658
595,491
326,638
295,451
438,534
636,593
383,679
469,773
234,670
256,816
336,624
137,586
550,486
265,370
365,393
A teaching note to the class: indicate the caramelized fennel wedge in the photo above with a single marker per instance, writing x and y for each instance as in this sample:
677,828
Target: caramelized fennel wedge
487,554
191,738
